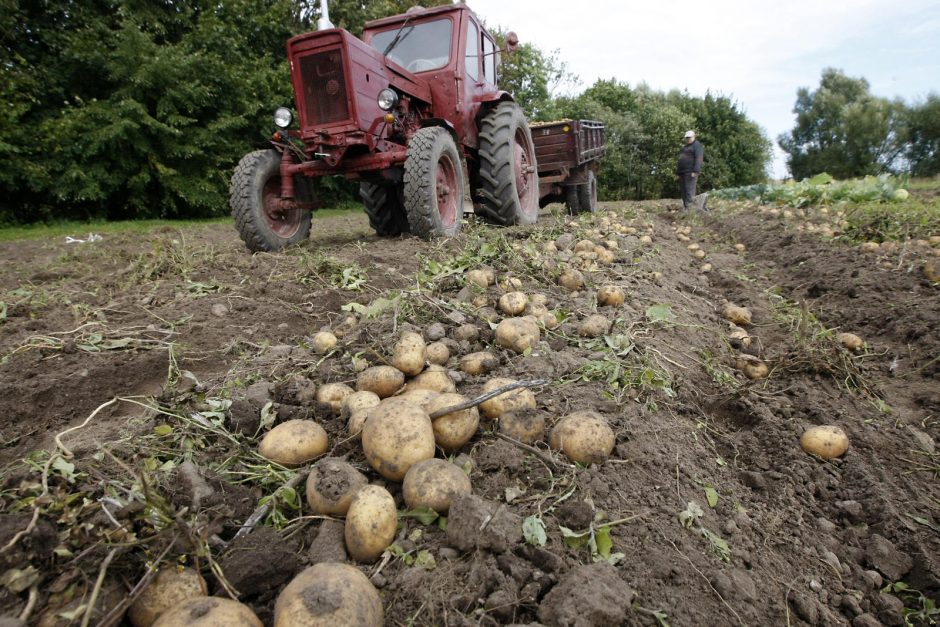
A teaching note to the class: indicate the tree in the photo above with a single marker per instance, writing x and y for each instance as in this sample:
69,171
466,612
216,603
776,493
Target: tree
923,137
842,129
532,77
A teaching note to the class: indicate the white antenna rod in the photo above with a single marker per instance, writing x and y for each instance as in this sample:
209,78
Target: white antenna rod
324,22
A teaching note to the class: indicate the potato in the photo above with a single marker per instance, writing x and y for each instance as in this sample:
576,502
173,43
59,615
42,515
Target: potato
752,367
571,280
536,310
397,434
513,400
168,589
370,523
478,363
511,284
736,314
513,303
434,483
539,299
870,247
517,334
358,401
610,296
294,442
693,247
328,594
526,426
827,441
453,430
438,353
324,342
548,320
740,248
346,326
584,245
356,420
331,485
419,396
467,332
594,326
480,301
739,334
850,341
606,256
584,436
333,394
208,612
706,268
482,277
382,380
646,239
410,353
699,254
434,378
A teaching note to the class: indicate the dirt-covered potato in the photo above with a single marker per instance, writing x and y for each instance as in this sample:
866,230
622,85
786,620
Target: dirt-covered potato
736,314
382,380
358,401
294,442
410,353
434,378
478,363
594,326
467,333
169,588
453,430
333,394
419,396
752,367
850,341
583,436
571,280
610,296
208,612
329,594
324,342
526,426
370,523
513,303
438,353
517,334
549,320
482,277
740,335
606,256
510,284
434,483
584,245
513,400
396,435
827,441
331,485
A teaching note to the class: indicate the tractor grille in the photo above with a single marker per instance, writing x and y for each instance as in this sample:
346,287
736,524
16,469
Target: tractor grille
324,88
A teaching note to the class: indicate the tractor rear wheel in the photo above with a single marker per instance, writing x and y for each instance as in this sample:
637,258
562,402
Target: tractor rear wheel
255,199
434,184
587,193
509,181
383,205
572,200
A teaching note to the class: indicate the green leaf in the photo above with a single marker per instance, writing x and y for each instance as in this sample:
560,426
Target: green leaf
424,559
163,430
16,580
65,468
533,528
659,313
711,495
603,541
575,539
424,515
690,514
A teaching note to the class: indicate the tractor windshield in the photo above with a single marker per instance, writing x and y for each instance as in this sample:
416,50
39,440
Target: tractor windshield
417,47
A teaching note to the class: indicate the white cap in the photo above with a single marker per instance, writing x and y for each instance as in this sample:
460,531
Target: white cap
689,134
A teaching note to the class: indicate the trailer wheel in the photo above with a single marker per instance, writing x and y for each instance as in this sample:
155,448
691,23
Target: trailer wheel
572,200
384,208
434,184
587,193
509,182
254,197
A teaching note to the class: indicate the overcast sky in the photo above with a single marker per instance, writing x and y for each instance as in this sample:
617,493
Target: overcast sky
759,53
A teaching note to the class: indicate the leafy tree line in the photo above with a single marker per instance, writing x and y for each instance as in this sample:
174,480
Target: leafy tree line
142,108
842,129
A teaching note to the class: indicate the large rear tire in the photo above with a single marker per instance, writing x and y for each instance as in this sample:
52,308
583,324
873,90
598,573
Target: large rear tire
434,184
382,203
509,182
587,193
254,197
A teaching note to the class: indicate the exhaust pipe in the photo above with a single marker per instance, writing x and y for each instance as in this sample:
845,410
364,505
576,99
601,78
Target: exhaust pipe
324,22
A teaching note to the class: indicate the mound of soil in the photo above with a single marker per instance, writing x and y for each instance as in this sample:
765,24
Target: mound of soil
137,376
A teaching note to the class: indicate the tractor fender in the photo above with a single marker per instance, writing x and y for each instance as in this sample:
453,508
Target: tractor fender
496,97
441,122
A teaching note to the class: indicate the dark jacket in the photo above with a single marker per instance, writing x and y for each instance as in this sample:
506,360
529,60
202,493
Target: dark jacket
690,158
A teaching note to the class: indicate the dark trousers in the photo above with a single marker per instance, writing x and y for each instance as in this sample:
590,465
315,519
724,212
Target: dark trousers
688,182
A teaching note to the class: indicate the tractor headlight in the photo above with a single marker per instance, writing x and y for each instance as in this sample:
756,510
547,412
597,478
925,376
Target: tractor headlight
283,117
387,99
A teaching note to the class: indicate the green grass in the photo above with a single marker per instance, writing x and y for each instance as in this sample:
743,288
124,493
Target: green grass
81,229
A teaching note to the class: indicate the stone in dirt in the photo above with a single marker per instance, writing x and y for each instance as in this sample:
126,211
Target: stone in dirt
587,596
259,564
884,557
477,523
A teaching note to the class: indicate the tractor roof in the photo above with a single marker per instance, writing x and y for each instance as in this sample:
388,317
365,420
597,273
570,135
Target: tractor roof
414,13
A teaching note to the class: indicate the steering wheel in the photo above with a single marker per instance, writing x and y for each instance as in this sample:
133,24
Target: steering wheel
420,65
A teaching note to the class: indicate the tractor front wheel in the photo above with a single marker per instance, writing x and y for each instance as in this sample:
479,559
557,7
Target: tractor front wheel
383,205
509,180
263,222
434,184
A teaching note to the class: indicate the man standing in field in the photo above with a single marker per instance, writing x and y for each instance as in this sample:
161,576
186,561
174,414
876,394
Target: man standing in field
690,166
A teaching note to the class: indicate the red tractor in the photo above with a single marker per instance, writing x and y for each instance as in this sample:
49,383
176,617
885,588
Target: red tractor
412,111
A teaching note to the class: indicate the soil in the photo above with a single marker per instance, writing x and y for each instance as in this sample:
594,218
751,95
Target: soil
150,364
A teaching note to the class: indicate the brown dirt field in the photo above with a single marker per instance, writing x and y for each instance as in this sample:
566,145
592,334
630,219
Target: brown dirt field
719,516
